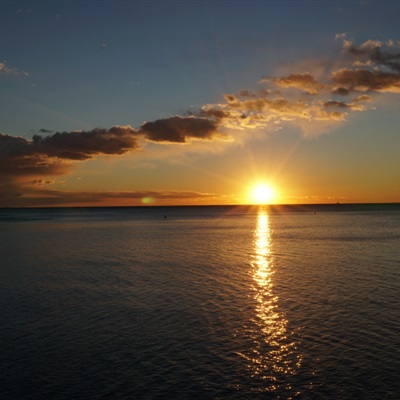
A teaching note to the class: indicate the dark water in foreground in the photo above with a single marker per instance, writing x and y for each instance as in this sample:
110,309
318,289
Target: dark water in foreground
208,303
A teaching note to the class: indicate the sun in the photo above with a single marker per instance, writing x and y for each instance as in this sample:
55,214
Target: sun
262,194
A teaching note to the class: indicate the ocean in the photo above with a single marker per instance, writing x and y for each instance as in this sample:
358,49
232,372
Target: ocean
274,302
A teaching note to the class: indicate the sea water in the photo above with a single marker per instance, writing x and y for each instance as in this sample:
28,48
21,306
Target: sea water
200,303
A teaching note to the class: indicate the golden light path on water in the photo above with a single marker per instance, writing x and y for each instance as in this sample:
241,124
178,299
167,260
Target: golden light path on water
275,357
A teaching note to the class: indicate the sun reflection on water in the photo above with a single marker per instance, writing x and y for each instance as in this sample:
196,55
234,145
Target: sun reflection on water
274,357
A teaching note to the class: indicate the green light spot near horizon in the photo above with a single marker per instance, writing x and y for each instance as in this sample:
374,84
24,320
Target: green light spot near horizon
147,200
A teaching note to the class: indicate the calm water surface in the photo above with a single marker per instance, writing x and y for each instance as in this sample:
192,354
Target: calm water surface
200,303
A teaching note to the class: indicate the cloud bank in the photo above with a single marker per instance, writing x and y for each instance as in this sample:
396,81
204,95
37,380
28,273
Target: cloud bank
32,196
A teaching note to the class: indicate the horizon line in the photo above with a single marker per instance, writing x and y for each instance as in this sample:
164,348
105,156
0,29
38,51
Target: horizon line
204,205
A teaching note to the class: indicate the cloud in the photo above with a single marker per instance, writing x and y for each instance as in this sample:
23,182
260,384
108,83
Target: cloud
32,166
341,104
363,80
341,91
253,110
19,158
52,155
304,81
363,97
179,129
6,70
374,67
374,52
36,195
258,93
335,103
82,145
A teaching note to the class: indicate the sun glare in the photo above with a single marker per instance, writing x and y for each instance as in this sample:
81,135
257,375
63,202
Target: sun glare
262,194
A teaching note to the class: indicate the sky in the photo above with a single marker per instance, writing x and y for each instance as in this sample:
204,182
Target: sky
129,103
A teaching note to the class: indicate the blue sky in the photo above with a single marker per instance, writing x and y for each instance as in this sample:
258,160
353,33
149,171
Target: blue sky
76,66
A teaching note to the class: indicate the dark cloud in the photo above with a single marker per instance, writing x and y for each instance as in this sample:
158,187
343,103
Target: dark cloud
230,98
375,68
79,145
19,158
374,52
356,106
258,93
363,80
179,129
335,103
51,155
86,144
13,146
213,113
341,91
32,166
43,130
55,154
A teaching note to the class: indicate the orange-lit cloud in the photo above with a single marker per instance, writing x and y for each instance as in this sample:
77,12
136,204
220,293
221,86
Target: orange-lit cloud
301,98
304,81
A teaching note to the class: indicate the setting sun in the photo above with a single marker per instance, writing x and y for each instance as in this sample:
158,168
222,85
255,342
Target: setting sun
262,194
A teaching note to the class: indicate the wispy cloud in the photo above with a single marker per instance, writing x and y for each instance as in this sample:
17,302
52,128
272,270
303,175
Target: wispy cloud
6,70
36,195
